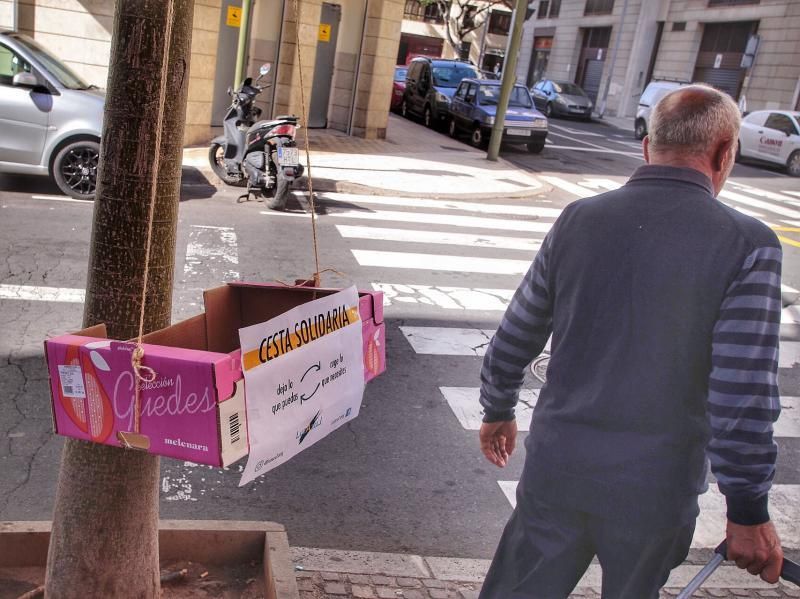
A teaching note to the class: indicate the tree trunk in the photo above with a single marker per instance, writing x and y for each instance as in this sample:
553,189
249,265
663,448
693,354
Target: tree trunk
105,524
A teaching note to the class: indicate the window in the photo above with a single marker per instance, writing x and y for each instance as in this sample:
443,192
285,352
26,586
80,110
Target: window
468,18
470,97
400,74
599,7
679,26
549,9
451,75
782,123
10,65
431,13
731,2
499,22
462,91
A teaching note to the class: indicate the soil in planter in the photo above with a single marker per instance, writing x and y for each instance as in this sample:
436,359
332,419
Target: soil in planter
243,581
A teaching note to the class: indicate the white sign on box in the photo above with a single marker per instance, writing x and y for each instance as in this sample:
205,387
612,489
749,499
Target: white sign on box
304,378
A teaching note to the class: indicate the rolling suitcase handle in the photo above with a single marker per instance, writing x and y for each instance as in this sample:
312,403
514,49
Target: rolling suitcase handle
789,571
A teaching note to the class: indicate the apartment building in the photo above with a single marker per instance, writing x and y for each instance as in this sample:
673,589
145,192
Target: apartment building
613,48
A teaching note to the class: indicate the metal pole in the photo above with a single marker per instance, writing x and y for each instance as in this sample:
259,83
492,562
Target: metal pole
277,61
601,109
241,52
358,70
483,40
509,79
15,15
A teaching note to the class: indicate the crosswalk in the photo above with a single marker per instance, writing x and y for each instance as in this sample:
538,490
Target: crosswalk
420,251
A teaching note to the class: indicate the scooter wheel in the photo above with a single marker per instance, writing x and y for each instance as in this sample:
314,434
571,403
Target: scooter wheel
217,162
280,198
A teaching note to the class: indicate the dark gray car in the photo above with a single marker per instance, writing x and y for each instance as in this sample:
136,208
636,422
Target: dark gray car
562,98
50,119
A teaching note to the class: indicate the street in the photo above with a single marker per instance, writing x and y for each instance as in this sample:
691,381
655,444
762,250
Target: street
407,475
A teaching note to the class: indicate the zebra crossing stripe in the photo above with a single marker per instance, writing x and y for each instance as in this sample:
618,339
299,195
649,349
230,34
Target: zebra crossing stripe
439,237
567,186
447,219
448,341
483,207
407,260
763,205
762,193
450,298
783,502
42,294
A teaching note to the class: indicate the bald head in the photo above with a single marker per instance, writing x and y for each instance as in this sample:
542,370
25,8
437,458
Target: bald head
692,121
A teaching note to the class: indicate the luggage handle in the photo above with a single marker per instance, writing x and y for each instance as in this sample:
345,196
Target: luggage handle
790,571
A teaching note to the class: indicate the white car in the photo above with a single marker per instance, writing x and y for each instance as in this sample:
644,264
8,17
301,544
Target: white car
772,136
654,91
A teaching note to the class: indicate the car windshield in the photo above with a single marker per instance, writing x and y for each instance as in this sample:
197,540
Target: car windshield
400,74
488,95
569,89
66,76
451,75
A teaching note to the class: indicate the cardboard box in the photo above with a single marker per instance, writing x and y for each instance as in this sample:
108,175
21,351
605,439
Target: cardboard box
194,410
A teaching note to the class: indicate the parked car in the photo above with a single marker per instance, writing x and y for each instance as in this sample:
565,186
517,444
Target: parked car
50,119
654,91
562,98
398,87
772,136
474,108
430,85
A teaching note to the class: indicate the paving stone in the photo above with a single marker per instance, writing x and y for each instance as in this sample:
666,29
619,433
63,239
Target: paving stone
303,574
439,594
308,595
412,594
408,582
432,583
469,594
717,593
740,593
305,584
384,581
768,593
362,592
791,591
330,576
335,588
387,593
359,579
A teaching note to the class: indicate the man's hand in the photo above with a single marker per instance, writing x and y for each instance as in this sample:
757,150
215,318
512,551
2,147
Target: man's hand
756,549
498,440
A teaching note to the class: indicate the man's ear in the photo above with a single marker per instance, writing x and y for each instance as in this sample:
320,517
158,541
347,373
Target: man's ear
646,148
722,155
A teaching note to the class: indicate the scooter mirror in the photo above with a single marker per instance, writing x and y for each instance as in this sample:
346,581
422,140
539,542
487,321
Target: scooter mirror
265,68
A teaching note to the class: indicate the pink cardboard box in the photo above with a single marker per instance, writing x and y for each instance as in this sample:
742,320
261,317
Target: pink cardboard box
194,410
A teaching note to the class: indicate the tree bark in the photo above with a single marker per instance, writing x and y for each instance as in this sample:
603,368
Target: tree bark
104,541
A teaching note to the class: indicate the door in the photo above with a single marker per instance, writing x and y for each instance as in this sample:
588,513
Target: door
775,143
24,113
323,66
225,73
539,98
592,74
751,130
421,89
719,60
457,106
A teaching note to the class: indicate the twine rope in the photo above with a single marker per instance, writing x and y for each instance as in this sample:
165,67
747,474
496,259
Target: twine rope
145,373
304,114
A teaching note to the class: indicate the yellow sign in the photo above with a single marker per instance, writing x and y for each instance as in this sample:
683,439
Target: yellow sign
324,32
234,18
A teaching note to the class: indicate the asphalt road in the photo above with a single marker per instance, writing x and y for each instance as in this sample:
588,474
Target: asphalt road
406,475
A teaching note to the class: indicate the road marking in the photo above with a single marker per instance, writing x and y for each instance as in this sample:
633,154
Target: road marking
783,502
451,298
783,239
770,195
600,150
595,145
482,207
63,199
743,210
448,341
575,131
567,186
769,206
794,193
496,266
447,219
212,252
465,405
600,184
439,237
42,294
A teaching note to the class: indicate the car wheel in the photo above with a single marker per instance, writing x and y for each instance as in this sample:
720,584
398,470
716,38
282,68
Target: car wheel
216,159
75,169
640,129
452,128
793,164
535,147
548,110
478,139
427,118
404,109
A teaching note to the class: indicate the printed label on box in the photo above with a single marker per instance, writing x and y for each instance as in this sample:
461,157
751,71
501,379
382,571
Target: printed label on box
71,379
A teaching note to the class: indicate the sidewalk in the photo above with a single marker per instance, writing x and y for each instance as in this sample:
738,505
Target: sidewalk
412,161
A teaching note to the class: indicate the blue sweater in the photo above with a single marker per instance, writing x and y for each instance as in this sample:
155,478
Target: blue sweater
664,306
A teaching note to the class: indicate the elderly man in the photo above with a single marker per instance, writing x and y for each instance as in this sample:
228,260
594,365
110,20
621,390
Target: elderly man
664,306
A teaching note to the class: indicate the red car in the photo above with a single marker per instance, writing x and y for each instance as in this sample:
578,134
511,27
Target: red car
398,87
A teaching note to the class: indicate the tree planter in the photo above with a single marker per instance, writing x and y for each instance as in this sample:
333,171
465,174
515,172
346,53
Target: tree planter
23,545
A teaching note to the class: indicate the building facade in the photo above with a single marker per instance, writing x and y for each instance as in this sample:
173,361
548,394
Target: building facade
347,49
613,48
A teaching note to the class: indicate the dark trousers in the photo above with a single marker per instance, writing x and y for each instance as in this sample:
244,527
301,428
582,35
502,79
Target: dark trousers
544,552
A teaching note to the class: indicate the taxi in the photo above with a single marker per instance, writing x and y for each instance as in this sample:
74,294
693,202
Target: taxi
772,136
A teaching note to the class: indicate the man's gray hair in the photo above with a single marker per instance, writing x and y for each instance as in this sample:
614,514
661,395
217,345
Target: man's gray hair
693,120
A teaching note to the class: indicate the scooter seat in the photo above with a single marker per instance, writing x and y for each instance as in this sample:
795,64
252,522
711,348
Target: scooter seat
286,117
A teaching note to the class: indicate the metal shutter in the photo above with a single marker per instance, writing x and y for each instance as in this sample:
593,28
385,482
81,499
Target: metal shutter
727,80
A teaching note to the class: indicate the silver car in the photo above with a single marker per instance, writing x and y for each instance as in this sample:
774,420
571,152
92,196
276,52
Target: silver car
50,119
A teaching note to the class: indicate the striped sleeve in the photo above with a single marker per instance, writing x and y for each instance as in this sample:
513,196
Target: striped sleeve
521,337
743,399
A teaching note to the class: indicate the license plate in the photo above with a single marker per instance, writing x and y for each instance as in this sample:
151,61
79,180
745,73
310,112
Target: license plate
288,156
519,132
